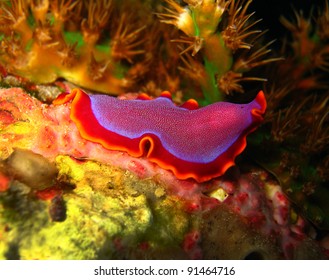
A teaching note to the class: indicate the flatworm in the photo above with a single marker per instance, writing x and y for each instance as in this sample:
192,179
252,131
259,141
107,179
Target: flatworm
192,142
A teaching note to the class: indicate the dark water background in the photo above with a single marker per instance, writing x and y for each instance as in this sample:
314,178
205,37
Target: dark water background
271,10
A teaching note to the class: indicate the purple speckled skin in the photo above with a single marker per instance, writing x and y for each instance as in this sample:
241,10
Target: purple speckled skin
192,135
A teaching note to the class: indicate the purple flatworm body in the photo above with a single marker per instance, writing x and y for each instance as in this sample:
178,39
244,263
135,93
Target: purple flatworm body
199,143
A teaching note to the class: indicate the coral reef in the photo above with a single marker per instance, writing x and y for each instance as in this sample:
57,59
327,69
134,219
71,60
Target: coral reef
105,46
57,187
219,45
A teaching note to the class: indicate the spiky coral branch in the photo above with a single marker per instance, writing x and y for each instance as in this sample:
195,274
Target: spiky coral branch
98,16
44,40
214,33
62,10
126,40
239,26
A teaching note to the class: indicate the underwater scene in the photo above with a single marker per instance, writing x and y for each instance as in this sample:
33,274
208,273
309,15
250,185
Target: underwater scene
164,129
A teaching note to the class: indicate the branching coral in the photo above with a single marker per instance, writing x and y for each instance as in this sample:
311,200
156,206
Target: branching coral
81,41
219,45
86,43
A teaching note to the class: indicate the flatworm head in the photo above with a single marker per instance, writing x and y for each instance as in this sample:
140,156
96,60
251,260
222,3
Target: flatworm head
199,143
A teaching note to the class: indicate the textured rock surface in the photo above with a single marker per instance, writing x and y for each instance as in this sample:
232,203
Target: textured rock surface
102,204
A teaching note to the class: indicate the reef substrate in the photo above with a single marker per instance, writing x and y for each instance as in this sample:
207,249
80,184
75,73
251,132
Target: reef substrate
63,197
